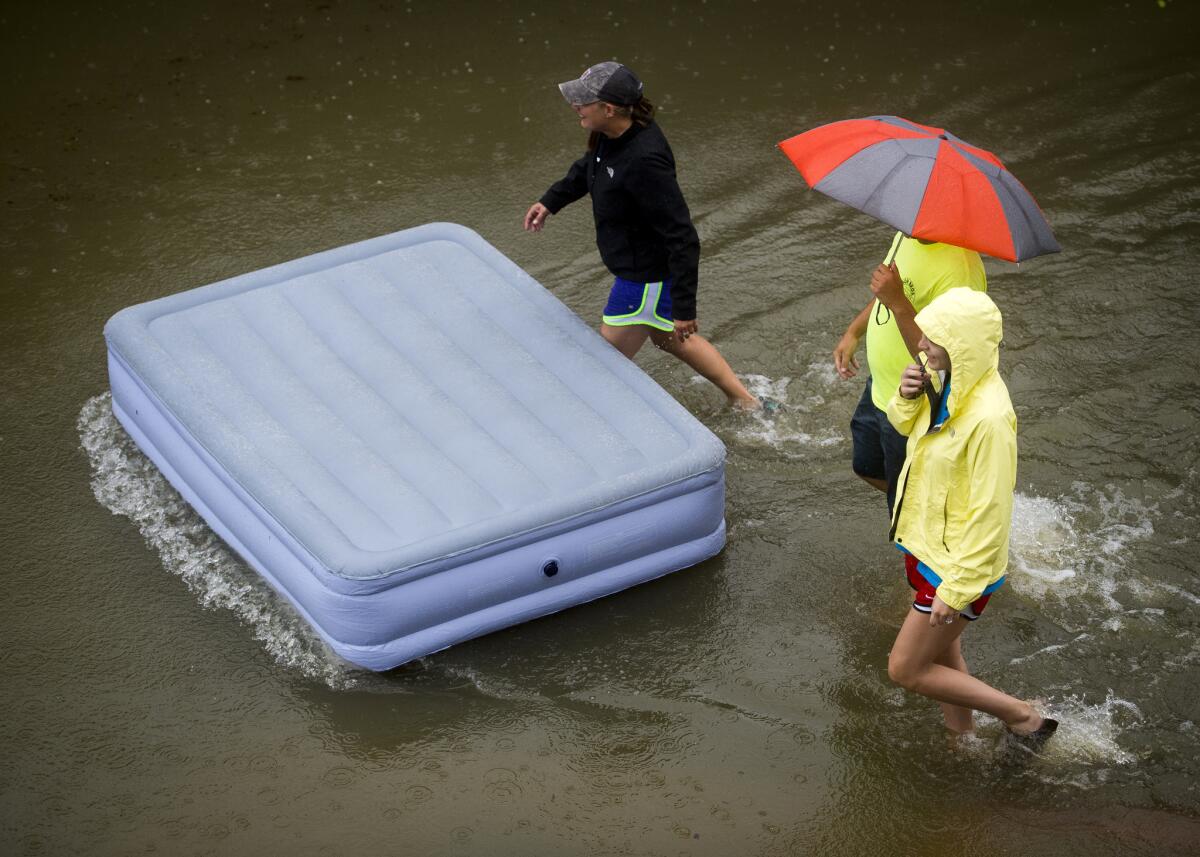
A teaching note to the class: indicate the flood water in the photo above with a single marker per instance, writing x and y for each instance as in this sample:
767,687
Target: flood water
158,697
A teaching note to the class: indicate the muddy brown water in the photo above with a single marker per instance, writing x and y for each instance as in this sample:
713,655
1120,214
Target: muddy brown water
157,697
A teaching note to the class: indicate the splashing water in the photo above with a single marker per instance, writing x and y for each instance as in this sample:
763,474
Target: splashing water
1087,735
127,483
1076,545
784,426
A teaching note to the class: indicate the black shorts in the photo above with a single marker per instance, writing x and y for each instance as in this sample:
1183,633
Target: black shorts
879,449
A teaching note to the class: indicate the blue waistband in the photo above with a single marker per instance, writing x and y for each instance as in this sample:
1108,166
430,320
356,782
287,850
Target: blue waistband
935,579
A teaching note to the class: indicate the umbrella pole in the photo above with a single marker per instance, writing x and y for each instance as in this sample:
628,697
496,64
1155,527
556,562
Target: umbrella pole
887,262
896,248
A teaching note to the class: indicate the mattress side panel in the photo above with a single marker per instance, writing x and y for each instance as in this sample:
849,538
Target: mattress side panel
641,569
384,628
480,583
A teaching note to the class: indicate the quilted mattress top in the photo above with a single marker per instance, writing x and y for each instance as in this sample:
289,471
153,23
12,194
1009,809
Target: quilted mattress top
407,398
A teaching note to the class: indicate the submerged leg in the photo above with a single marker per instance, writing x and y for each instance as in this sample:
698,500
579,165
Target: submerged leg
700,354
959,720
914,665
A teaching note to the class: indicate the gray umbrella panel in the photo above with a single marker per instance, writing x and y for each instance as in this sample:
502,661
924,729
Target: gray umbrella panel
888,181
1031,233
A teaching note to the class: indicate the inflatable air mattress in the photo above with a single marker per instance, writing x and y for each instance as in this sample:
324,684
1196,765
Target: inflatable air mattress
414,442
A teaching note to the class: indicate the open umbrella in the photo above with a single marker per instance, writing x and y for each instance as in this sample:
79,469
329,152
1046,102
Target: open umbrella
925,182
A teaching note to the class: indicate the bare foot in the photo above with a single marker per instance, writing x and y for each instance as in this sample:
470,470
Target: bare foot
1028,724
749,403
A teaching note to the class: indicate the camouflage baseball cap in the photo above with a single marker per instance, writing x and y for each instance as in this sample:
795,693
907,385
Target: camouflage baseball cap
605,81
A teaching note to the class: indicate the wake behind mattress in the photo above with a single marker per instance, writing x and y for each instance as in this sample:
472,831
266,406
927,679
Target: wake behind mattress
414,442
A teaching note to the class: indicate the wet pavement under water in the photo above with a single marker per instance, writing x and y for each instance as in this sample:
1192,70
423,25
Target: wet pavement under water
158,697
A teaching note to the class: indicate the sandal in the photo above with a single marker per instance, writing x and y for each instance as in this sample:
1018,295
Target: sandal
1032,742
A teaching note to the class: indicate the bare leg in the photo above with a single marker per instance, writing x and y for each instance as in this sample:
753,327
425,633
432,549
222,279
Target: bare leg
628,339
959,720
700,354
913,664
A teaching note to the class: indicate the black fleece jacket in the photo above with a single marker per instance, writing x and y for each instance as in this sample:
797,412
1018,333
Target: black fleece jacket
643,228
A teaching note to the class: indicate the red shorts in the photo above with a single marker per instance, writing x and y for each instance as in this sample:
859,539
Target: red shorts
923,597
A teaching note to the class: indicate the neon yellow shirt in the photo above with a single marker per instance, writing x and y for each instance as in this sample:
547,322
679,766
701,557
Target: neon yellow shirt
927,270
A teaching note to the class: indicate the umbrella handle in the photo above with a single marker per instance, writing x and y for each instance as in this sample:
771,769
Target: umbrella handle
895,249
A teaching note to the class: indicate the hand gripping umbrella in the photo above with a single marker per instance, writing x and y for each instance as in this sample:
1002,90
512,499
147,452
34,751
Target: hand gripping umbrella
925,182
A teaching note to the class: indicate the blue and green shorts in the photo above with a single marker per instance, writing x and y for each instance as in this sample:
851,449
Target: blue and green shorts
639,303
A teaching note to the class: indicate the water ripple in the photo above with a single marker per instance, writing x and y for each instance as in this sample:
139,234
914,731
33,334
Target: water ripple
127,483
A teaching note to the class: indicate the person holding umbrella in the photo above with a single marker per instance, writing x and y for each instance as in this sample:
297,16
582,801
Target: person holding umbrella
954,508
951,201
643,228
913,273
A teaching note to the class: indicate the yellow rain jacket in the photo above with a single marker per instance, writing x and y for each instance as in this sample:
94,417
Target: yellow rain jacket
955,494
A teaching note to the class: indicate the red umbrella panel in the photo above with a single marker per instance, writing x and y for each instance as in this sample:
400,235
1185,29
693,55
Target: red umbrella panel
924,181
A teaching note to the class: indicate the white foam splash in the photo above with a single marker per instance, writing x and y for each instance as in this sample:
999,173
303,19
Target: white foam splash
783,426
127,483
1088,733
1082,638
1075,545
763,387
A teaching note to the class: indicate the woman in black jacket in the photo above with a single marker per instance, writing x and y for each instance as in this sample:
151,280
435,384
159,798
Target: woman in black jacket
643,228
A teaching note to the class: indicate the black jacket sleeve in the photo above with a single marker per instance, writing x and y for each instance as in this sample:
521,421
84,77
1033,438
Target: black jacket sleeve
569,188
667,214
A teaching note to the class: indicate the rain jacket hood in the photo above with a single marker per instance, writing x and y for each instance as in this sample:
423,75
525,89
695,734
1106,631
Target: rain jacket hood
969,326
953,507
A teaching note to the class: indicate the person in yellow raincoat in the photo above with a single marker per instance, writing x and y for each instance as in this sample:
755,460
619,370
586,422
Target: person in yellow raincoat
954,507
